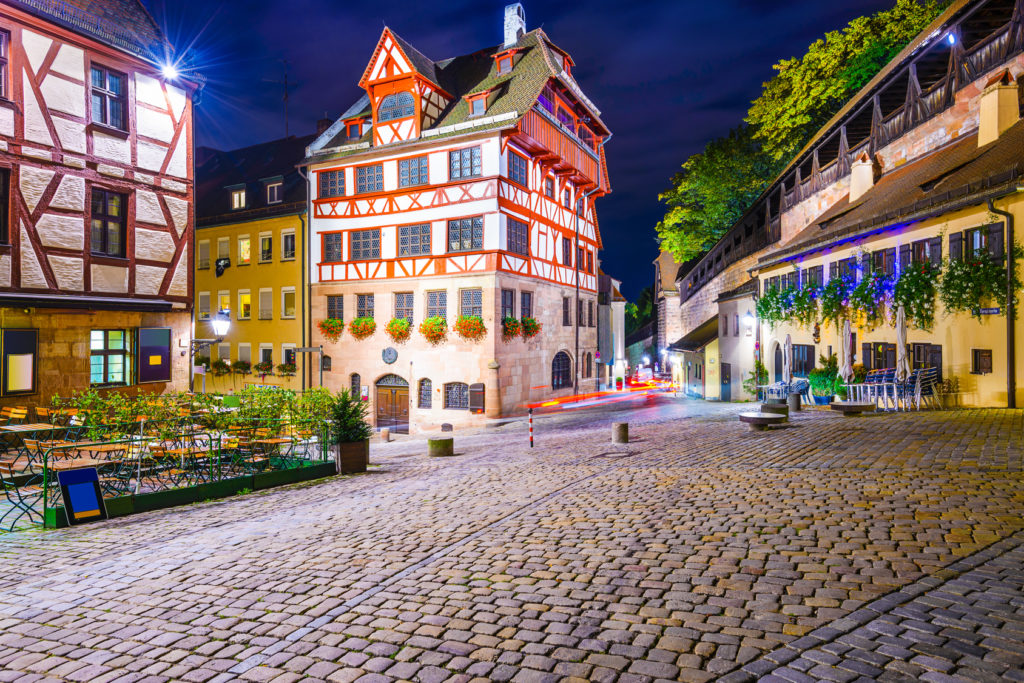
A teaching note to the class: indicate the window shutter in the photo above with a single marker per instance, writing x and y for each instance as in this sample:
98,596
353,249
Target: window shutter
995,241
904,256
865,350
935,251
865,264
935,359
890,355
476,398
833,269
956,246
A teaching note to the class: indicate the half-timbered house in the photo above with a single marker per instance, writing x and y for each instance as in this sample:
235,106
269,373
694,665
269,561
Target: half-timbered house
96,187
460,187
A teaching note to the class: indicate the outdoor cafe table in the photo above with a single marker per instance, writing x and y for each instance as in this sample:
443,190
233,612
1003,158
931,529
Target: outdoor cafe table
13,436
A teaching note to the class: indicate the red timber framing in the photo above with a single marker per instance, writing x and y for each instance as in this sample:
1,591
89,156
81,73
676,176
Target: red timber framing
57,154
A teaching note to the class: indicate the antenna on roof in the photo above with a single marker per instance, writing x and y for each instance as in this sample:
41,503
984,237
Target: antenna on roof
285,98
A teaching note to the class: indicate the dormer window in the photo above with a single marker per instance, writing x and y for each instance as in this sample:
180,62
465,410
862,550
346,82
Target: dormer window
275,192
479,101
237,199
398,106
505,61
353,131
477,107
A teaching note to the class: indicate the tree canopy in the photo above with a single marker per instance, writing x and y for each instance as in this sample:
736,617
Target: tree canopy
716,185
641,312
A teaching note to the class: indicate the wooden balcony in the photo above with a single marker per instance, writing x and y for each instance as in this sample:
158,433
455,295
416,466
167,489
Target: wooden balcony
574,157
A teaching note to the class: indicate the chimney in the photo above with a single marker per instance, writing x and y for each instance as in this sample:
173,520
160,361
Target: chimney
322,125
862,176
515,24
1000,107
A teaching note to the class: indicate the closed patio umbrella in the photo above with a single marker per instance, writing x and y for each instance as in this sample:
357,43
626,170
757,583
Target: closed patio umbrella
846,351
902,362
787,360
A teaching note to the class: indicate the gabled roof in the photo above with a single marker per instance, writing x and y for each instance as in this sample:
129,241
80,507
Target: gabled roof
250,166
934,184
474,73
123,24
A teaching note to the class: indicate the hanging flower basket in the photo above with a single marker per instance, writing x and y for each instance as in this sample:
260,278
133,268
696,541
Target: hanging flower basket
868,298
470,327
286,369
331,328
915,290
264,368
968,284
241,367
833,300
361,328
510,328
529,328
805,306
220,368
398,329
434,330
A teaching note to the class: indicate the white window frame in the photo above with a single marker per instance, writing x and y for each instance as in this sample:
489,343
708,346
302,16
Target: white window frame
285,291
242,238
266,347
203,264
284,352
240,309
224,351
199,306
238,199
221,294
226,251
248,351
270,309
280,192
289,231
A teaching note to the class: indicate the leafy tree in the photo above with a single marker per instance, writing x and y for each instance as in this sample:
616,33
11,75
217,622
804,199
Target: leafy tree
712,191
807,91
641,312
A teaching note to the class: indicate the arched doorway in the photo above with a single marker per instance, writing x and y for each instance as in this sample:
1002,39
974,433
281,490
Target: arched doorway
778,362
392,404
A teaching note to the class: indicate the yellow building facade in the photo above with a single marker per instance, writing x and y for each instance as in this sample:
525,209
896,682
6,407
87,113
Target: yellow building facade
250,250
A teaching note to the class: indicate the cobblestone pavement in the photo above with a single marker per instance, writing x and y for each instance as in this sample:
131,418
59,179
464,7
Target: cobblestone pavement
885,546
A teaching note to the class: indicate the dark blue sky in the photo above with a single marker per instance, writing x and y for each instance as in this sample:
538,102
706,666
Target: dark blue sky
667,76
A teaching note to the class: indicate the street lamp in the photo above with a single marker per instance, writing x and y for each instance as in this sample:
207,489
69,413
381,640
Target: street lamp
748,320
220,322
647,360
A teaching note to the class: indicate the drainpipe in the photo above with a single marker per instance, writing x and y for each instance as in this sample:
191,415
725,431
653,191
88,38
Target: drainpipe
576,258
1011,350
302,280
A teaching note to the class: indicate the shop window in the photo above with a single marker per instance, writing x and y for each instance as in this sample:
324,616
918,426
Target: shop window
108,357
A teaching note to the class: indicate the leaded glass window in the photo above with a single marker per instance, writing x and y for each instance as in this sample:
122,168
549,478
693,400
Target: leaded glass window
517,169
414,240
464,163
437,304
508,303
370,178
456,396
471,302
332,247
517,237
397,106
355,382
332,183
365,244
526,304
403,305
426,393
561,371
364,305
412,172
336,306
466,234
107,227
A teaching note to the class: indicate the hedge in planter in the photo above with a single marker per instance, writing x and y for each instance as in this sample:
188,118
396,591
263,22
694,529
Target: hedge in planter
350,432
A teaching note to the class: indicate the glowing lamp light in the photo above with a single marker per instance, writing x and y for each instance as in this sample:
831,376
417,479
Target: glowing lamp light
169,71
748,319
951,38
647,360
221,322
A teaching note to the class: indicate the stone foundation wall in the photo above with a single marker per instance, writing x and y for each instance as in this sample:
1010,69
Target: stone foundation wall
63,353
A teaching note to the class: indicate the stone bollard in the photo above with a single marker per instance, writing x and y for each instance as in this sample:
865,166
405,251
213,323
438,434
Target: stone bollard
385,434
441,447
620,432
794,403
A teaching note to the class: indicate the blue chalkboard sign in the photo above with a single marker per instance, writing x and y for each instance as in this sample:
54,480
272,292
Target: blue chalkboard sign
83,500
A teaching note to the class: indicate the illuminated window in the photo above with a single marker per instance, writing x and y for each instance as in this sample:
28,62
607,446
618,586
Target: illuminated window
287,246
244,251
204,306
244,304
266,248
108,357
237,200
107,233
287,302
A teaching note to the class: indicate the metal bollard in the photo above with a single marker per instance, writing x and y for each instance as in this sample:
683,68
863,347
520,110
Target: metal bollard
531,427
620,432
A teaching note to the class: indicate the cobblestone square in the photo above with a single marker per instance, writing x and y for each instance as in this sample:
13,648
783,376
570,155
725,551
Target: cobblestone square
884,547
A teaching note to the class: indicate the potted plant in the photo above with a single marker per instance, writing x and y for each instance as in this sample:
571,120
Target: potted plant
470,327
241,367
510,328
529,328
350,433
434,329
398,329
264,368
823,379
331,328
286,369
361,328
220,367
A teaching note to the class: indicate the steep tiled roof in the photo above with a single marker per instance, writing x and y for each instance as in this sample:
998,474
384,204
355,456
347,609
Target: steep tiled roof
477,72
124,24
931,185
249,166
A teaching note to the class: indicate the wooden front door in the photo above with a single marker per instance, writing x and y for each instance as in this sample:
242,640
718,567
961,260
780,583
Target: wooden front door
393,408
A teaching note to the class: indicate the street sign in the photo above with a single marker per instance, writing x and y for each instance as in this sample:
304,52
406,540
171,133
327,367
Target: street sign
309,349
990,311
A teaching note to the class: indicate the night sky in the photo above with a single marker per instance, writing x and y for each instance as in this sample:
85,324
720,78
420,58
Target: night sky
667,76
